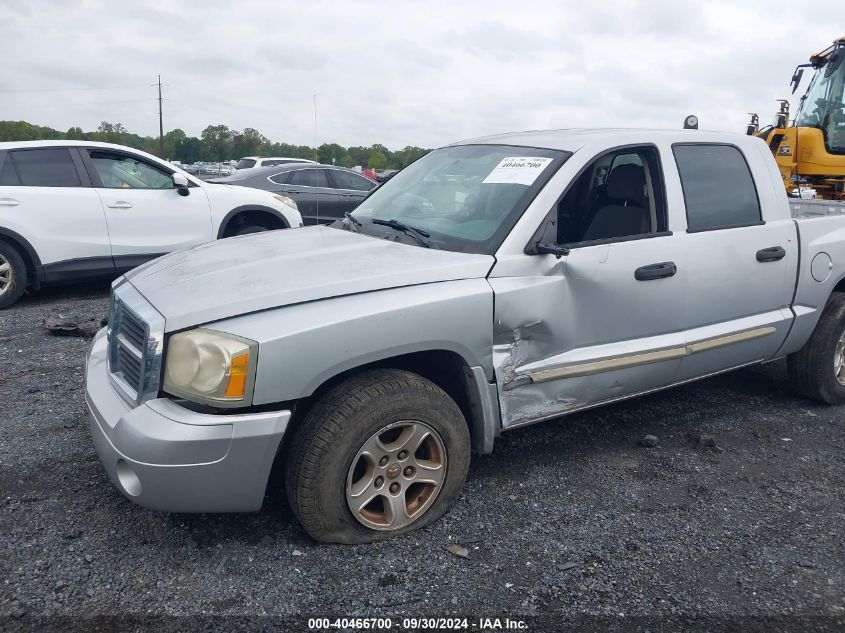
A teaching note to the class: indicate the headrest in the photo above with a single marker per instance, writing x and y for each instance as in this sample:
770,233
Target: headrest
627,182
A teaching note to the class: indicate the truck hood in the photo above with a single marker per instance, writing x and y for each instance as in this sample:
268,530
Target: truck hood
245,274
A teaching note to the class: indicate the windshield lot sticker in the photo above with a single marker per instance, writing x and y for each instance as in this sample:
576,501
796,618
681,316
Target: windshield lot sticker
517,170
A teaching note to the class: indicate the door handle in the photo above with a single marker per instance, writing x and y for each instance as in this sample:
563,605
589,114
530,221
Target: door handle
292,191
9,202
771,254
655,271
120,204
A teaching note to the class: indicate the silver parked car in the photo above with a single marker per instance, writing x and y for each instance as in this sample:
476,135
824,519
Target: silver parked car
492,284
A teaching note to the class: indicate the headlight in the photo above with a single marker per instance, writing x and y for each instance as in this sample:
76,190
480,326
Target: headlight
285,200
210,367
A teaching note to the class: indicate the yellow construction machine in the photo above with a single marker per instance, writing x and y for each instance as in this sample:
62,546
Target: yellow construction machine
810,150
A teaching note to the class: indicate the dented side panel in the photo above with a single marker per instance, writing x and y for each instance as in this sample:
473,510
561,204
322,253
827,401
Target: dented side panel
582,309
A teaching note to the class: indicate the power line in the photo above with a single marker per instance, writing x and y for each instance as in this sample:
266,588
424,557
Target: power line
87,89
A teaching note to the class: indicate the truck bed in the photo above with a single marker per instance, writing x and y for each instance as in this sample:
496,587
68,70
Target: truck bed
816,208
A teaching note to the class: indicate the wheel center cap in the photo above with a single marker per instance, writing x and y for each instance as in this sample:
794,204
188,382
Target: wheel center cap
393,471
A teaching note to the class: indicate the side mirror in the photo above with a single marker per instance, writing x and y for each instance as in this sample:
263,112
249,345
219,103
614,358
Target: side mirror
550,249
796,79
181,184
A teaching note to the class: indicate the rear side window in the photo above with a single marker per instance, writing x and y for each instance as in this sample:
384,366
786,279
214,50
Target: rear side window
309,178
45,167
245,163
718,188
280,179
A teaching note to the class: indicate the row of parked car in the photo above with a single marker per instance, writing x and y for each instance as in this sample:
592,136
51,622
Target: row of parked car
73,210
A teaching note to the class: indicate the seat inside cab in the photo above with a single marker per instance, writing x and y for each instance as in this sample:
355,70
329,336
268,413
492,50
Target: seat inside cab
619,195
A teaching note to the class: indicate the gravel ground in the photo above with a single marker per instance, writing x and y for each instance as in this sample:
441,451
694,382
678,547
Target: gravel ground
565,523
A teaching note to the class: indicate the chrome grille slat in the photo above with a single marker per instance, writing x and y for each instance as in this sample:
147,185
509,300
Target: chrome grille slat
136,332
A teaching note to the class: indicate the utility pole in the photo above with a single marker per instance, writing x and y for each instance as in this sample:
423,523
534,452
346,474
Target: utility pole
160,124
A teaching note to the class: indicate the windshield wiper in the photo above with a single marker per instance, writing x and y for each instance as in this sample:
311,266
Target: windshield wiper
419,235
354,223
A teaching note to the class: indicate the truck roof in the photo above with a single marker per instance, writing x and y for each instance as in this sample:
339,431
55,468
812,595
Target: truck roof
573,139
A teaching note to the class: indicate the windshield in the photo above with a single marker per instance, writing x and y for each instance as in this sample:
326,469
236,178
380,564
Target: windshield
467,197
245,163
822,105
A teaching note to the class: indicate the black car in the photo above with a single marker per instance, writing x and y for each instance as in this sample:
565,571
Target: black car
323,193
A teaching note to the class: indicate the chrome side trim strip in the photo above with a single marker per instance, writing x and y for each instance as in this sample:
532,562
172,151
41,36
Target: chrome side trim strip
634,360
599,366
730,339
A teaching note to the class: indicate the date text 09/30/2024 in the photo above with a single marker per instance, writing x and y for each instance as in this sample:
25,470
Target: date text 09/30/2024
442,624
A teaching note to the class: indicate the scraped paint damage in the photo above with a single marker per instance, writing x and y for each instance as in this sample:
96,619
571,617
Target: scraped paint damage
520,400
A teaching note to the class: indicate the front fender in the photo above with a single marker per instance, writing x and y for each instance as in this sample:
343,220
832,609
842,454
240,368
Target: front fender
227,201
302,346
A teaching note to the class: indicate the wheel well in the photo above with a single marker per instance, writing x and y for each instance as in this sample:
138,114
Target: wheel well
840,287
445,369
32,266
250,217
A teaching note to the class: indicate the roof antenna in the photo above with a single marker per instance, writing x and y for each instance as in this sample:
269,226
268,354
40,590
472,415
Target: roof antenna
316,160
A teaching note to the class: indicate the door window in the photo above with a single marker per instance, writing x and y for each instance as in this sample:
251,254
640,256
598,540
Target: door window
45,167
347,180
618,196
309,178
120,171
718,188
8,175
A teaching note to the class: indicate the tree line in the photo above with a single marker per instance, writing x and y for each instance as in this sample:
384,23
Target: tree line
218,143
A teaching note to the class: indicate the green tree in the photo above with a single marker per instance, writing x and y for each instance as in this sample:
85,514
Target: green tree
172,142
217,142
377,160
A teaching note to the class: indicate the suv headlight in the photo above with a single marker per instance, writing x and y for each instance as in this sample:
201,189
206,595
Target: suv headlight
285,200
211,367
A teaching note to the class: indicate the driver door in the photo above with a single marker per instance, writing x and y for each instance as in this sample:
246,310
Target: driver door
600,322
145,215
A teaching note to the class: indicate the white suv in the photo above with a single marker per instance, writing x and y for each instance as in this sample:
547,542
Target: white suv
71,210
251,162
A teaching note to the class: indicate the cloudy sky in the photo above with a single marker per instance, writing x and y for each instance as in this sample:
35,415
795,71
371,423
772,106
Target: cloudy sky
403,73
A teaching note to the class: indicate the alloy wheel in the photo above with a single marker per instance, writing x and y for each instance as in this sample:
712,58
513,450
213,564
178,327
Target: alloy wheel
396,475
7,275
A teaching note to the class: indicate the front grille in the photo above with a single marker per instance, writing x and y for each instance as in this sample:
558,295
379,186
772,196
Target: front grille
136,332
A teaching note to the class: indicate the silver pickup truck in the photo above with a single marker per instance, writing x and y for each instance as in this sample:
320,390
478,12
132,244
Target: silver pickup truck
492,284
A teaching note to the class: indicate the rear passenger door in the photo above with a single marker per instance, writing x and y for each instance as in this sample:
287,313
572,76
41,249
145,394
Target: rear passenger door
46,196
740,270
351,188
311,190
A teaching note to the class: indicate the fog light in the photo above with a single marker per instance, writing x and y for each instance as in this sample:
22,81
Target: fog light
128,479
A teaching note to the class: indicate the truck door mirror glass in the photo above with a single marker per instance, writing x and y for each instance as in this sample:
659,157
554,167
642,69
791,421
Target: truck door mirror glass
181,184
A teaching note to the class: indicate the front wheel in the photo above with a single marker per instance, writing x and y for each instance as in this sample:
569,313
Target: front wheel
818,369
383,453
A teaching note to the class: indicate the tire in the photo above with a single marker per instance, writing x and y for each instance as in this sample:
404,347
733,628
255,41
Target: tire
249,229
325,458
813,369
12,274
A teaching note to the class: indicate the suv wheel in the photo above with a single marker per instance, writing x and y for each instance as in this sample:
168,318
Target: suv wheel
383,453
12,274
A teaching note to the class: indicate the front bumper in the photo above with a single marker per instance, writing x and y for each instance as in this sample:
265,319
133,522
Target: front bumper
166,457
